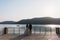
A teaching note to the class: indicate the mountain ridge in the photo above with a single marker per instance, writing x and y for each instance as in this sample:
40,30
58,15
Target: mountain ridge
41,20
38,20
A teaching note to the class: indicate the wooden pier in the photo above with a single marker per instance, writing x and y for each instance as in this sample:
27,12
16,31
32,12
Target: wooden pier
42,36
28,35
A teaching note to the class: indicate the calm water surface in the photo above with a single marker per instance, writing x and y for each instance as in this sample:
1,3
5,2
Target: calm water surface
20,28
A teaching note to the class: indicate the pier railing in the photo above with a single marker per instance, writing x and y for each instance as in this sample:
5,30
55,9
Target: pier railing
17,30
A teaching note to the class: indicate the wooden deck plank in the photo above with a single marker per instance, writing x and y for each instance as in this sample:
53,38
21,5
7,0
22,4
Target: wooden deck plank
47,36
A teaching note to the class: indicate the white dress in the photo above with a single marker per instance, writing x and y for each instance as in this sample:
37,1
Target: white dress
27,31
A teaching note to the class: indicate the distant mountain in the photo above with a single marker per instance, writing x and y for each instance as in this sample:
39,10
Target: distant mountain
7,22
41,20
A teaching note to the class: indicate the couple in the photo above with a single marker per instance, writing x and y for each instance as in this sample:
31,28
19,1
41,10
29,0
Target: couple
28,30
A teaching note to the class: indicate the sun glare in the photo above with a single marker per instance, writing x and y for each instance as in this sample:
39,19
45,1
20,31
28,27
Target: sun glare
49,11
52,26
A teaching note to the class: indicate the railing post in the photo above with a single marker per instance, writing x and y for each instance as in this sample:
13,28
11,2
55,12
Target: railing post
45,30
13,30
5,30
50,30
40,29
19,28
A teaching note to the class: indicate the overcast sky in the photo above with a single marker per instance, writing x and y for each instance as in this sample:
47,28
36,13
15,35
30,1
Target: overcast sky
15,10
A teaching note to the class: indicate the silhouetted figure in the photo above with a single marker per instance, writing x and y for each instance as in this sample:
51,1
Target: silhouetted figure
27,25
30,27
5,31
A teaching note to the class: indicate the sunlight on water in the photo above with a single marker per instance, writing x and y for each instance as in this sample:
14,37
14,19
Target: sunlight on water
35,28
53,26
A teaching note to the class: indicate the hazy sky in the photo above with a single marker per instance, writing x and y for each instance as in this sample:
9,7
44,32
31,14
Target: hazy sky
16,10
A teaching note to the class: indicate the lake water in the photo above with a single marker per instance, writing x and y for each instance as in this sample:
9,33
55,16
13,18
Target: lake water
36,28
